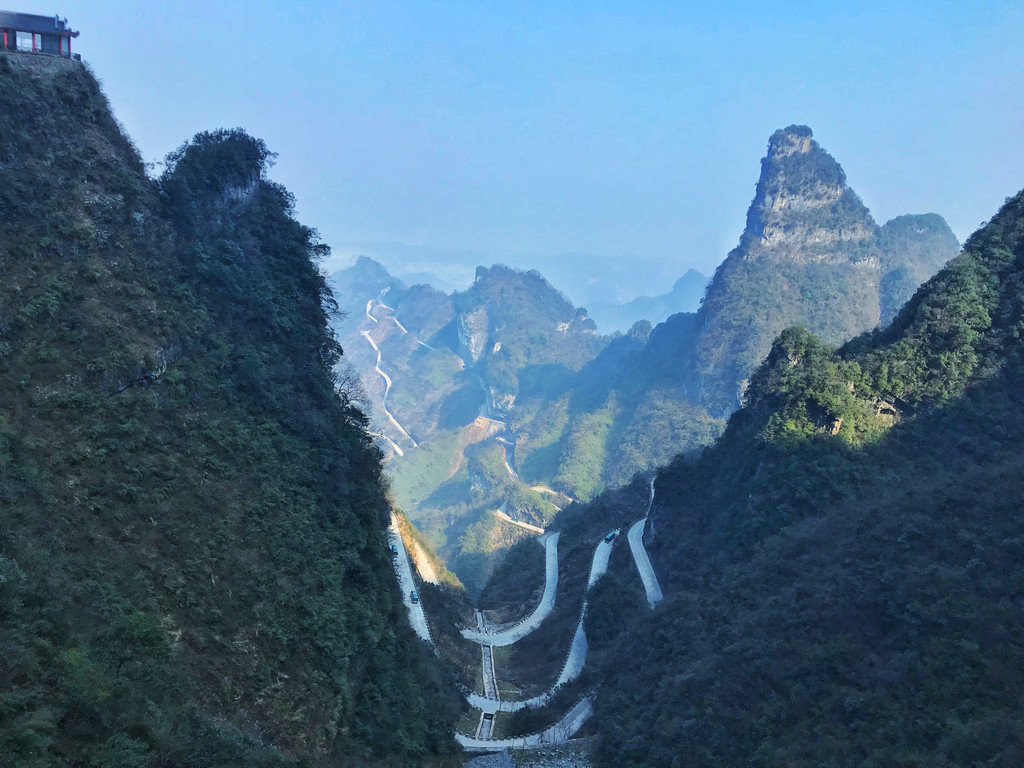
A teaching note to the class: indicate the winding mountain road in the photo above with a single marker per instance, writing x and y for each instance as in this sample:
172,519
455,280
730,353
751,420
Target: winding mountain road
544,608
387,389
559,733
599,564
642,560
503,515
490,681
574,660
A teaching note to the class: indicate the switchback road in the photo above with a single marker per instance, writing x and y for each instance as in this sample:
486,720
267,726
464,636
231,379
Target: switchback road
559,733
534,620
640,557
387,390
503,515
574,660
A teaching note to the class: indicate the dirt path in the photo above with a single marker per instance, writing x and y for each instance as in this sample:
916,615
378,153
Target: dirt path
426,570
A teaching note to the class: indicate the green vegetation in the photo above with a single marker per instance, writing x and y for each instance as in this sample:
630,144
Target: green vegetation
811,255
412,536
588,412
584,446
529,506
913,248
193,568
844,567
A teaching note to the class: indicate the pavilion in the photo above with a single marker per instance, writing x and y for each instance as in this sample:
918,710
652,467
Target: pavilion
37,34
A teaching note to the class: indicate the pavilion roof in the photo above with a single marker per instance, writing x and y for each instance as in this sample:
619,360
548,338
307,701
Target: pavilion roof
41,25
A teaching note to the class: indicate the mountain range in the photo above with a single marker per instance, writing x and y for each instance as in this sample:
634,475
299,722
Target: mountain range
822,462
571,412
843,567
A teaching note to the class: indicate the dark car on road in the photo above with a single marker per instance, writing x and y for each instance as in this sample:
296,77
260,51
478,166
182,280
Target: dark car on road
415,597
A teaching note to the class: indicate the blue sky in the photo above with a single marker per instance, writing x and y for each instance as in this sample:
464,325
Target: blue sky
441,135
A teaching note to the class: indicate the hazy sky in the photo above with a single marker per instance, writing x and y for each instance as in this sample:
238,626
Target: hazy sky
474,132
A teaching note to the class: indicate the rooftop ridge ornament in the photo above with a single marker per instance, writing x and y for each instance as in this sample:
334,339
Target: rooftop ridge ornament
29,33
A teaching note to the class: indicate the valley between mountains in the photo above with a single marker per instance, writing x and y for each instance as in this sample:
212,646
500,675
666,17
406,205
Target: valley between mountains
486,396
779,525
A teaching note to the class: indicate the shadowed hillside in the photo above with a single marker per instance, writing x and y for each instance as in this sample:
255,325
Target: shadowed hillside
193,567
843,567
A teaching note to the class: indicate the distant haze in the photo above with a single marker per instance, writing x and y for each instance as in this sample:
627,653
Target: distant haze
435,136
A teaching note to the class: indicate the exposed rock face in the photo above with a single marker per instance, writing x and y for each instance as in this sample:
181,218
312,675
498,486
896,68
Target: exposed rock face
802,209
812,255
473,335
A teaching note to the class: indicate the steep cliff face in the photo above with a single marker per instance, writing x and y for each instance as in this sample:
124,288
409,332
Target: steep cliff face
803,211
810,255
472,327
510,320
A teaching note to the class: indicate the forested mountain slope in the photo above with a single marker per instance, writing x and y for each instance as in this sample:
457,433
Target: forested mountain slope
844,568
193,567
580,412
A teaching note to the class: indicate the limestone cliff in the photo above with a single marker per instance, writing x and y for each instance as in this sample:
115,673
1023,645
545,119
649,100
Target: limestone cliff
803,211
812,255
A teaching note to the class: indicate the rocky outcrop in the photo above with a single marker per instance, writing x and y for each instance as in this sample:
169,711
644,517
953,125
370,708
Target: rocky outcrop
812,255
472,330
803,209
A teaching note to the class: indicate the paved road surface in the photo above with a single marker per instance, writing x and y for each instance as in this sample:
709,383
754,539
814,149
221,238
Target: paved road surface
490,681
599,565
643,562
394,446
503,515
559,733
544,608
486,727
577,656
416,616
387,390
574,661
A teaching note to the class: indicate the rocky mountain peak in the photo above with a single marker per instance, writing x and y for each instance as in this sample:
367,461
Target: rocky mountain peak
792,140
803,210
